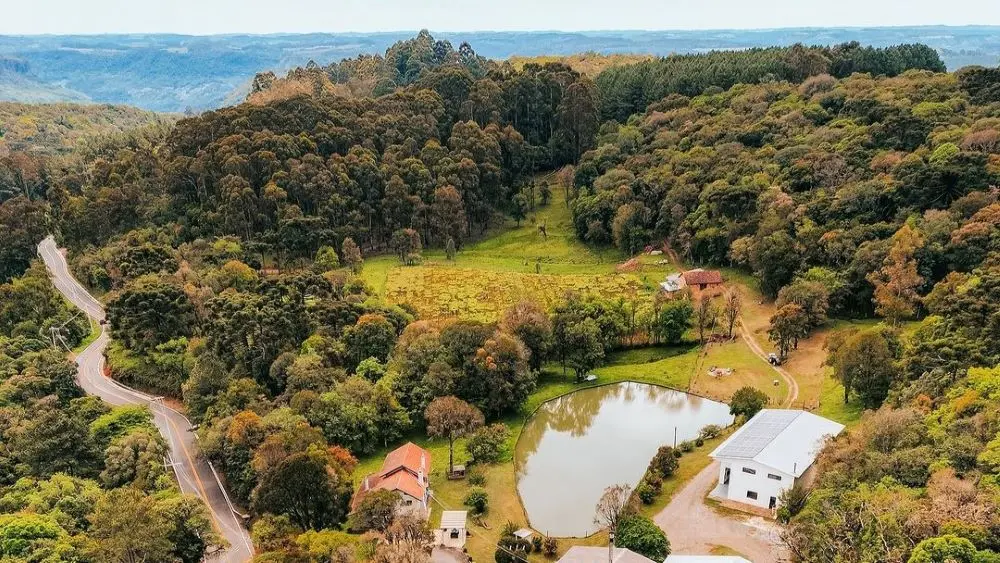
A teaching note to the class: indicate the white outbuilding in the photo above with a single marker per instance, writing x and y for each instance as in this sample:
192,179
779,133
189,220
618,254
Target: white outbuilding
453,529
769,454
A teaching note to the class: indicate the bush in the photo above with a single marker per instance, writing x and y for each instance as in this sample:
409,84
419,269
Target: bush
641,535
478,500
792,502
550,546
687,446
512,550
664,463
710,432
654,480
477,477
487,444
508,529
747,401
536,542
699,442
645,492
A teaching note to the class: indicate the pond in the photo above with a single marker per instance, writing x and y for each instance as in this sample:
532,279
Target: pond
579,444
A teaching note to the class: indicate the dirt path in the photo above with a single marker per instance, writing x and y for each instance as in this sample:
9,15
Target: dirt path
694,528
793,386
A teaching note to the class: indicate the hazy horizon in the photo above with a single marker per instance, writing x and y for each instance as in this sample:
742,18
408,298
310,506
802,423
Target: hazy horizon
258,17
414,31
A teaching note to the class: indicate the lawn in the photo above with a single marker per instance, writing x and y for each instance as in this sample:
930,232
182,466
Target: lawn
818,391
511,263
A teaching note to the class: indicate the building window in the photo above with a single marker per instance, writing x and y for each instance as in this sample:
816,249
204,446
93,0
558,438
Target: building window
454,533
752,495
750,471
409,502
773,476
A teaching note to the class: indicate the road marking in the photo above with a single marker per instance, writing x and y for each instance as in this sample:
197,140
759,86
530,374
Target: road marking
197,478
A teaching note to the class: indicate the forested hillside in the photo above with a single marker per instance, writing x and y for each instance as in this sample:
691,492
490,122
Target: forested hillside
79,480
50,129
229,247
174,73
848,197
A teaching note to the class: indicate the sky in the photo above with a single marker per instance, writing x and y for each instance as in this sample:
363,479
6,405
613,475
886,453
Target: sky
205,17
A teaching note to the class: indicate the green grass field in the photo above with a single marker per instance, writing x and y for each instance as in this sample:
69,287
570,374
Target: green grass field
511,263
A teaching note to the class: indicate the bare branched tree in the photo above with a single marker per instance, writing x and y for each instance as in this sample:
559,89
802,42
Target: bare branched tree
705,315
732,309
615,503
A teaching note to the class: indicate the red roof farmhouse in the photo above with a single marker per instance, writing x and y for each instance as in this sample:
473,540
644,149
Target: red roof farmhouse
406,470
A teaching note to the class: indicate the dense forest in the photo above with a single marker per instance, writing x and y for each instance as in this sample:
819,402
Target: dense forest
79,480
846,197
851,182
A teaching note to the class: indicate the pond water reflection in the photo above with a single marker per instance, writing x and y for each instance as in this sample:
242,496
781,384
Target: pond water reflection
577,445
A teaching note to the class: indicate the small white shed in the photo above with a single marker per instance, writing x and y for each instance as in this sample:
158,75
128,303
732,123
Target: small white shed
453,528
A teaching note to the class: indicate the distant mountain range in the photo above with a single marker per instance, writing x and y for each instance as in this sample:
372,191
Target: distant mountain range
174,73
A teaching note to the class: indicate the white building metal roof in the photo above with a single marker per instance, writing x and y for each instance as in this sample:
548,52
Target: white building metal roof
705,559
453,519
786,440
581,554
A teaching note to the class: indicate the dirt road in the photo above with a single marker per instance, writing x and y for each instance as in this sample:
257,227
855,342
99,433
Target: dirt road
694,528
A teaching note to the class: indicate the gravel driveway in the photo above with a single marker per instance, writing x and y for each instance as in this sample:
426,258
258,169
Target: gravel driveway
694,528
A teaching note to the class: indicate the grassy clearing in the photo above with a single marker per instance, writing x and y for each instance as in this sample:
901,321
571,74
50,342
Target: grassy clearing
514,262
818,391
748,369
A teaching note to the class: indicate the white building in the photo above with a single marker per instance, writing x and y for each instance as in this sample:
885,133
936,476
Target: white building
453,529
581,554
769,454
705,559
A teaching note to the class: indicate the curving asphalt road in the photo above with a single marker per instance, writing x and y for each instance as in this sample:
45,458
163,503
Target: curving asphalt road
194,473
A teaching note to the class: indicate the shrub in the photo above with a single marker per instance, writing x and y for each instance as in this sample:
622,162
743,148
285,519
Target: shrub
699,442
550,546
792,502
654,480
645,492
709,432
664,463
536,542
478,500
687,446
512,550
477,477
641,535
487,444
508,529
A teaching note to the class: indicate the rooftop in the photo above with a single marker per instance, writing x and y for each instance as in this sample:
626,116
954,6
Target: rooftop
699,277
705,559
406,469
786,440
453,519
581,554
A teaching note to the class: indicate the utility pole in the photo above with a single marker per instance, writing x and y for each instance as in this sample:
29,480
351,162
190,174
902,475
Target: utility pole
675,437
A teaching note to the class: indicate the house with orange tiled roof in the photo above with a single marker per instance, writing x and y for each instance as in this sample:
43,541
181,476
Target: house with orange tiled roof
406,471
702,279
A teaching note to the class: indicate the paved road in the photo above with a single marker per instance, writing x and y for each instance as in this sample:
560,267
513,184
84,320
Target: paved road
694,528
194,474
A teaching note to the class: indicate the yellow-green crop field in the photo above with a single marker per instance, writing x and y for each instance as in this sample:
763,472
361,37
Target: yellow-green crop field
442,290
